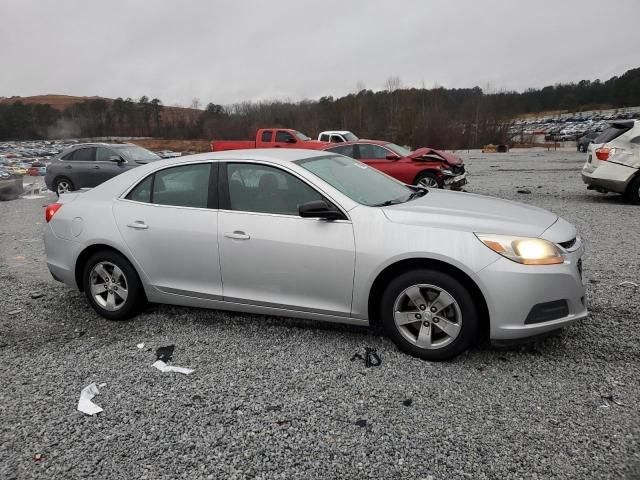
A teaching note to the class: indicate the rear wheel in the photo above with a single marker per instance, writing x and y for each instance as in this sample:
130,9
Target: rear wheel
112,286
429,314
633,191
428,180
63,185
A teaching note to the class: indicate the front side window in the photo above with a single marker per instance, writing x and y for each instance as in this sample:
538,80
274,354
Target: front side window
267,135
104,154
372,152
357,181
336,139
265,189
324,137
283,137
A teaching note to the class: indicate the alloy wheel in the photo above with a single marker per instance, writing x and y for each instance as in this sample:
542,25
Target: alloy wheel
427,316
428,181
63,187
109,286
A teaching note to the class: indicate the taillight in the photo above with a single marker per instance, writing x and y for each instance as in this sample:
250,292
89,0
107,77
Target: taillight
603,153
51,210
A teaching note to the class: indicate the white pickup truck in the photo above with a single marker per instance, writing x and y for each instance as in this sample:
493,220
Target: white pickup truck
337,136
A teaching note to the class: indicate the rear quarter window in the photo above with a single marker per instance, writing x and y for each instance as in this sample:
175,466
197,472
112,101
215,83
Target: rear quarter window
611,133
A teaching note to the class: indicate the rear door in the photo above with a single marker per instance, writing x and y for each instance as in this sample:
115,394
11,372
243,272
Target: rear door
80,168
169,222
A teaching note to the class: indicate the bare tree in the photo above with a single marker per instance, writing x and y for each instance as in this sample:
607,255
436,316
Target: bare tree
195,103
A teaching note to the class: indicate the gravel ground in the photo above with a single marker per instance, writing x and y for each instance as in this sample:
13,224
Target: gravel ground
274,398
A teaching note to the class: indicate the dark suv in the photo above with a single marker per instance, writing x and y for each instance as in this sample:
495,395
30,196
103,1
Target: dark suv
586,140
87,165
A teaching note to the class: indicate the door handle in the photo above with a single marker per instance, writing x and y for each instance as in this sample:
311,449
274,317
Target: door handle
237,235
96,167
138,225
68,167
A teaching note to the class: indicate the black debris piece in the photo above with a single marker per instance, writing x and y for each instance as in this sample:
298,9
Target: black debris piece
361,423
524,191
36,295
371,357
165,353
274,408
407,402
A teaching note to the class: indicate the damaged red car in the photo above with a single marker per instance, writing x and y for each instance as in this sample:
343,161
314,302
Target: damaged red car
425,167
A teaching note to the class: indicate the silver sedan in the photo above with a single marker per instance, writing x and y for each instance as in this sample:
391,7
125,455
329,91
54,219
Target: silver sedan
319,236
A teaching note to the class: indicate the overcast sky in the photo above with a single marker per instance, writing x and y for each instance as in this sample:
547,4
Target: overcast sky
229,51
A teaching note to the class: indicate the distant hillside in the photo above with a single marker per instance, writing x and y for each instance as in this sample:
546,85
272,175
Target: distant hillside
59,102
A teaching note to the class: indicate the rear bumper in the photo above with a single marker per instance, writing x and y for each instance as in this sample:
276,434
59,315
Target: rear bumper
608,176
61,257
522,299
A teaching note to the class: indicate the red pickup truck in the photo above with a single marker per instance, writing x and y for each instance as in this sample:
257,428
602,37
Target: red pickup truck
270,138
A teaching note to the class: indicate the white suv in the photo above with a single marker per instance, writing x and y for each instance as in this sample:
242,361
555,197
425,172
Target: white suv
337,136
613,161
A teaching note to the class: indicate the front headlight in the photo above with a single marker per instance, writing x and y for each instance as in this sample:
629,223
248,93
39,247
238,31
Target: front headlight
444,171
528,251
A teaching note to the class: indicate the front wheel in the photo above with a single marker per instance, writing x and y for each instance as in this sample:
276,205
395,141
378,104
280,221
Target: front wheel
429,314
428,180
112,286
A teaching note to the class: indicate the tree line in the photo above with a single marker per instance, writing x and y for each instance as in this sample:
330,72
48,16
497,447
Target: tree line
438,117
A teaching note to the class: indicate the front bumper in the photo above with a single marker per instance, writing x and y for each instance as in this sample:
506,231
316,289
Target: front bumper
517,293
457,182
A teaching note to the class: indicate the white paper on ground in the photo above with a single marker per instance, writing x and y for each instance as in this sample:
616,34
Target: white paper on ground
163,367
85,405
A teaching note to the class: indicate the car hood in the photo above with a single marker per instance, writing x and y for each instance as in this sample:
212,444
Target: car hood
472,213
448,157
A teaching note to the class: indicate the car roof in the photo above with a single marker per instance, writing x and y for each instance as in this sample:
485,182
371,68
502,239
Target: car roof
279,155
361,141
341,132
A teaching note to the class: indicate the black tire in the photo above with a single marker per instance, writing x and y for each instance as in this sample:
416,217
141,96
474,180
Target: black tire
135,299
468,324
61,181
428,179
632,194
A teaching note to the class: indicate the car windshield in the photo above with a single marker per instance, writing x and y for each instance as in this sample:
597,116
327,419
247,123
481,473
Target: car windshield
136,154
350,137
357,181
301,136
403,152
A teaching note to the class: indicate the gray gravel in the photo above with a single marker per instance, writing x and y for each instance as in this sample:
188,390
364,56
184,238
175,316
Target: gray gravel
273,398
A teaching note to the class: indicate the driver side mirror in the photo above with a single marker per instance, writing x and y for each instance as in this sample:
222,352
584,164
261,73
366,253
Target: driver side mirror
291,140
319,209
116,159
391,156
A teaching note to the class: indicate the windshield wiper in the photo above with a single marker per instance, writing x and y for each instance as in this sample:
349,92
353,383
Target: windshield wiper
387,203
420,192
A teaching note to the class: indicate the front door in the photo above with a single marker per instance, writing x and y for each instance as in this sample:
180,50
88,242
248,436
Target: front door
376,156
271,256
168,223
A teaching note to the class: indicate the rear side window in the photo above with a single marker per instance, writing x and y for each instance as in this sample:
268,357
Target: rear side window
324,137
611,133
266,136
84,155
183,186
142,192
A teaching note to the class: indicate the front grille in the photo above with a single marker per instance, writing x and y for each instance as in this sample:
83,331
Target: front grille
568,244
